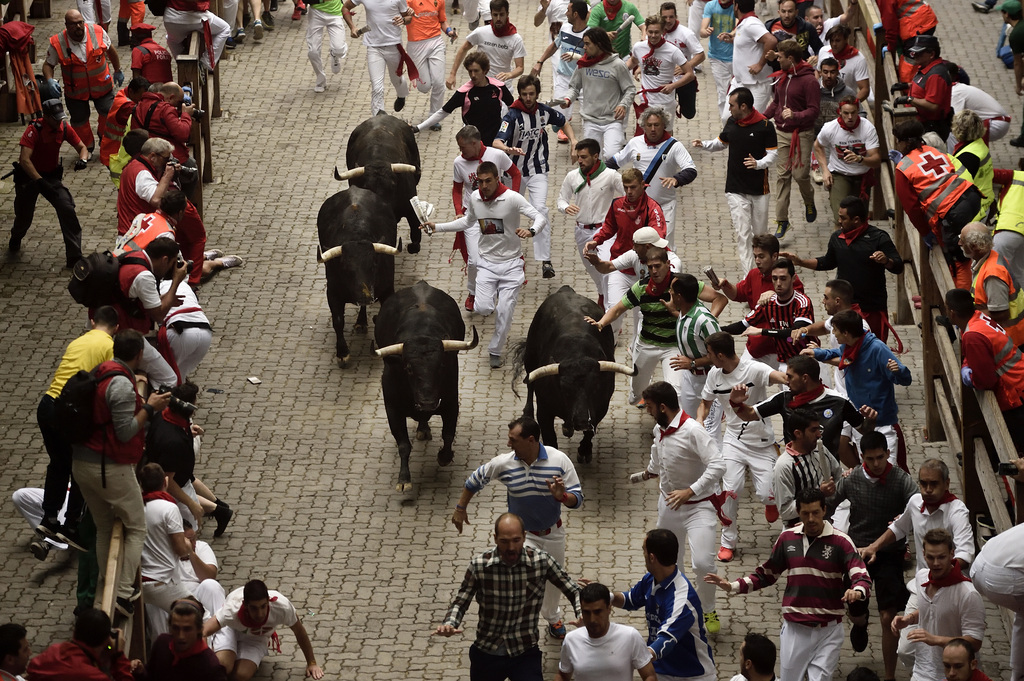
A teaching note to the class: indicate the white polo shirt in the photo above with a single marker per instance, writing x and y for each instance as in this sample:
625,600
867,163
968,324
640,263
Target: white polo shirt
953,611
951,516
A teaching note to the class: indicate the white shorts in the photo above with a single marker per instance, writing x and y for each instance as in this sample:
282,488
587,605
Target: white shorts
245,646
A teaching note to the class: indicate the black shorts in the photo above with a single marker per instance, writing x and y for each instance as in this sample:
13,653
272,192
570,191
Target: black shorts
888,583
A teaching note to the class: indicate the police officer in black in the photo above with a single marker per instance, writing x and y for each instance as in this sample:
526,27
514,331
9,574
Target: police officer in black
39,172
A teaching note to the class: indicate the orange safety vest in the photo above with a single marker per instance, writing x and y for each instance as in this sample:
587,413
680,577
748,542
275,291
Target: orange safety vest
935,182
916,17
145,228
1008,360
110,143
995,266
89,79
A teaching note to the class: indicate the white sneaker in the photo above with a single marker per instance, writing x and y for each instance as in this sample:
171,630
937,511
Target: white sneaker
335,64
319,88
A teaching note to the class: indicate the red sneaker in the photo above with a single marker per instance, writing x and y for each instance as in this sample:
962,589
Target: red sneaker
297,14
562,138
725,555
470,301
771,513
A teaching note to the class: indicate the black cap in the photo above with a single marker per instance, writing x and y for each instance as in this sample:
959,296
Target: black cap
53,108
919,43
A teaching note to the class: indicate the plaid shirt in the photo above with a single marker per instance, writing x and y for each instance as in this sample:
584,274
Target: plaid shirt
509,598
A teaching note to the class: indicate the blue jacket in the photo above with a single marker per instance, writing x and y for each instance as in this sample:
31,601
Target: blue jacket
868,380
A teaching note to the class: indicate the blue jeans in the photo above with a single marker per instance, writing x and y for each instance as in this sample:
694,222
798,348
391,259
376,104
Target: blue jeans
485,667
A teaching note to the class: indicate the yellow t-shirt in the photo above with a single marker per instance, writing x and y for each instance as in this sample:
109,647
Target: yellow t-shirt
85,353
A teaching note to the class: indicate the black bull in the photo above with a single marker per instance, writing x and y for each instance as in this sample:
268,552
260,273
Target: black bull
382,156
357,233
570,368
419,332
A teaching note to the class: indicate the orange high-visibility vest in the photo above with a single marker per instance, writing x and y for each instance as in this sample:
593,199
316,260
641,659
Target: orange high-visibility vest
995,266
89,79
934,179
112,131
916,17
1008,360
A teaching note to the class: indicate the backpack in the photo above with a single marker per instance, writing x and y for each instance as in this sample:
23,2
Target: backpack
74,407
94,279
157,7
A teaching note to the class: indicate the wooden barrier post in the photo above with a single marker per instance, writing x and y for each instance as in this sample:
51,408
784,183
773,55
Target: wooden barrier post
188,72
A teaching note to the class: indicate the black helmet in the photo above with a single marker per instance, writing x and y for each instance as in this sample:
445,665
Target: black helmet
919,43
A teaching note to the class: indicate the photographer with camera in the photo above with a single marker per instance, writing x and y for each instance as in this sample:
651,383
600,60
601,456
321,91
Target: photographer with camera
165,114
94,653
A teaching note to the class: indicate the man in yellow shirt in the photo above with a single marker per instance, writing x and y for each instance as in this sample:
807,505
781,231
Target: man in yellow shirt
84,353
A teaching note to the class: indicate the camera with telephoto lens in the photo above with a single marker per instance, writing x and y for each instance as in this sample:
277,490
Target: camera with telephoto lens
177,404
198,113
188,265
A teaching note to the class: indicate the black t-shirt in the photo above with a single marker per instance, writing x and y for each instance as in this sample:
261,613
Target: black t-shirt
481,106
743,140
171,446
833,411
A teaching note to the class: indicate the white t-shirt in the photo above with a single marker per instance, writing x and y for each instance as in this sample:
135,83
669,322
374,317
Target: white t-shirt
1003,550
380,16
977,100
159,561
206,554
144,289
686,40
464,170
838,141
145,185
755,375
657,71
851,71
827,26
497,220
501,50
952,611
556,11
190,300
613,657
282,613
746,51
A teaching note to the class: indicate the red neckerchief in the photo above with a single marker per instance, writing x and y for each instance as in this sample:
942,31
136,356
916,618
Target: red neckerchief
588,176
497,192
850,353
609,12
653,48
665,432
853,234
479,156
944,500
590,61
954,577
153,496
247,622
664,138
842,124
807,396
174,419
754,117
518,104
509,29
880,478
197,647
849,53
783,74
656,290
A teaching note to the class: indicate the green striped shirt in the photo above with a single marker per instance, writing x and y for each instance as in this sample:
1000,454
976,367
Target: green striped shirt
657,325
693,328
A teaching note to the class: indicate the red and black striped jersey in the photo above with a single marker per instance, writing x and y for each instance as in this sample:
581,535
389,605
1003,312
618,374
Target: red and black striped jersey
777,315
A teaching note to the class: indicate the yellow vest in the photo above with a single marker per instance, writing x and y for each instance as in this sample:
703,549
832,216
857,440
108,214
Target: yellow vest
1011,206
983,180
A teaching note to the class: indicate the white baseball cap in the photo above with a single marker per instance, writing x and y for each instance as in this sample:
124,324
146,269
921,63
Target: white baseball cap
649,236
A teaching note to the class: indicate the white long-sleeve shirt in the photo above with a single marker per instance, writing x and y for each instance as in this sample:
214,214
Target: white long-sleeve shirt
956,610
951,516
641,155
593,199
498,220
685,456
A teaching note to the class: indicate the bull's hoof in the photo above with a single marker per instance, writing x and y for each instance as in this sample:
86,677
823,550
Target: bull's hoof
343,361
423,433
413,248
445,457
404,487
567,430
585,455
359,328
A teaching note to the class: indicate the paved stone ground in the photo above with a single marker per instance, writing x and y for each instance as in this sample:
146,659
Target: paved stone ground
306,458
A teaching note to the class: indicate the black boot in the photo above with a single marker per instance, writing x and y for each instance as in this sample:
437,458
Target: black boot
223,516
124,36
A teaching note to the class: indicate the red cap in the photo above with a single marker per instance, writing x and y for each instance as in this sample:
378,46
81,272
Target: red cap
143,28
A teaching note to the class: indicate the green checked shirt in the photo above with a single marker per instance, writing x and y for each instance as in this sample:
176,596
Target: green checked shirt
693,328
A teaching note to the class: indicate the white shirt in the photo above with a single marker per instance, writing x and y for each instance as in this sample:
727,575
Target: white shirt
838,141
631,261
555,11
77,49
145,185
641,155
159,561
205,554
657,71
746,51
613,657
827,26
282,613
464,170
593,199
380,16
190,300
686,40
756,376
953,611
977,100
1006,549
144,288
501,50
951,516
687,457
498,220
855,69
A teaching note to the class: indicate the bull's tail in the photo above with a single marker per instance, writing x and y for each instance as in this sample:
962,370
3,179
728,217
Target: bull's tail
517,352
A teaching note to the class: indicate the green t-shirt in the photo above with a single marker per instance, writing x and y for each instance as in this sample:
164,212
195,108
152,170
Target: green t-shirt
1016,38
333,7
657,324
622,42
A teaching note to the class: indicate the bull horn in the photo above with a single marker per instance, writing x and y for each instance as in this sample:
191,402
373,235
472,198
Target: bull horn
395,349
618,368
403,168
546,370
348,174
456,346
329,254
384,248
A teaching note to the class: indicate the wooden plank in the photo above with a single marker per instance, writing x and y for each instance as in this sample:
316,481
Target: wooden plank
949,360
950,419
112,570
991,487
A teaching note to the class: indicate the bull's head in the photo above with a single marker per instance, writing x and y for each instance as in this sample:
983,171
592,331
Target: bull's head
359,267
380,178
422,357
579,382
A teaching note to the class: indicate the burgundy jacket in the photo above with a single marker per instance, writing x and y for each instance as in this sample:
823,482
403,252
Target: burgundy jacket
69,661
800,91
165,123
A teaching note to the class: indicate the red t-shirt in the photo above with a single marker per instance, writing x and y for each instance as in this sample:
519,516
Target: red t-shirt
45,143
153,61
749,291
935,89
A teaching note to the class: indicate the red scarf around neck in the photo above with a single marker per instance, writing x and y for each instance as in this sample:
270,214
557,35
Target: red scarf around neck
174,419
609,11
807,396
653,48
754,117
479,156
785,74
497,192
842,124
656,290
153,496
665,432
250,623
848,53
850,353
509,29
664,138
880,478
853,234
944,500
197,647
518,104
587,60
954,577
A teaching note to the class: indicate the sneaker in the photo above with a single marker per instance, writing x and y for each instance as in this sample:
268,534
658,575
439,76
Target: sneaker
642,404
810,212
698,69
725,554
548,270
782,226
556,630
268,20
223,516
436,127
48,528
319,88
39,548
771,513
213,254
335,64
230,43
297,14
230,261
984,9
124,606
711,623
562,137
470,300
70,536
399,104
257,31
14,245
495,361
1017,141
817,176
240,36
859,637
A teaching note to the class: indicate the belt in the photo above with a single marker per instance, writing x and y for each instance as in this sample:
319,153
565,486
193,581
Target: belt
150,580
544,533
593,226
817,625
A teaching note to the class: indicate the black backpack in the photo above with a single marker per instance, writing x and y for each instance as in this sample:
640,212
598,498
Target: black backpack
73,410
157,7
94,280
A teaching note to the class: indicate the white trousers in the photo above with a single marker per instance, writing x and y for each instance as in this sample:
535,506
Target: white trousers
159,598
611,136
741,457
317,23
537,188
721,71
428,55
646,358
472,235
689,389
229,12
669,210
559,90
88,10
694,526
813,651
749,213
616,285
156,367
996,131
190,345
378,61
497,286
29,502
178,31
696,16
553,543
582,236
1004,586
762,92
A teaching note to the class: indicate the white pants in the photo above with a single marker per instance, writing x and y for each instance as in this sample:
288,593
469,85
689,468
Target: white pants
229,12
694,525
996,131
611,136
29,502
88,10
582,236
190,345
616,285
159,598
721,71
537,186
317,23
1004,586
156,367
560,89
472,235
189,489
378,61
497,286
741,457
211,594
646,358
183,23
813,651
554,544
696,16
689,388
762,92
669,210
749,214
428,55
1010,245
892,441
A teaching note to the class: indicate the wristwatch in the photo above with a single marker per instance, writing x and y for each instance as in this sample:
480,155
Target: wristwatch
148,408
